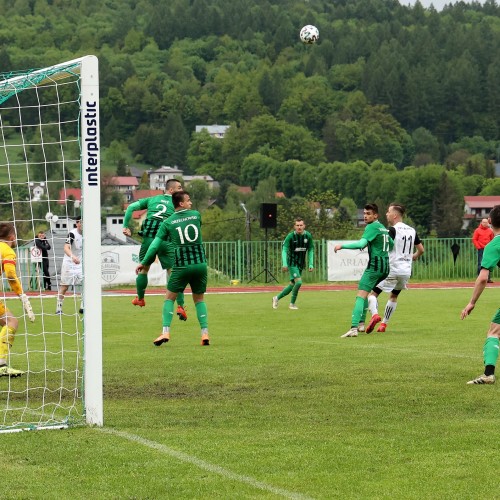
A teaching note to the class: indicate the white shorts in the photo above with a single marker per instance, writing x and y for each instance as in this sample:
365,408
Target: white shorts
71,274
393,282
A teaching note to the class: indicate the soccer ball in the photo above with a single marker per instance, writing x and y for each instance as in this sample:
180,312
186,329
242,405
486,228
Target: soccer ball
309,34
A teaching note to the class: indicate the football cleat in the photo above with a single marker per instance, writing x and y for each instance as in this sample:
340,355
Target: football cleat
164,337
181,312
205,339
381,328
275,302
139,302
292,306
80,310
371,325
352,332
58,311
361,327
7,371
482,379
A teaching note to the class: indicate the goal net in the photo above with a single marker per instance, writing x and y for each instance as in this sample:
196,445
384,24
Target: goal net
49,175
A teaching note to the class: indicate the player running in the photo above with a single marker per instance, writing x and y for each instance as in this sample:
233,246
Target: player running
491,259
376,238
401,258
297,246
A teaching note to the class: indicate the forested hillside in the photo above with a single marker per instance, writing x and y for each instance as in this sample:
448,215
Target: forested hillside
393,101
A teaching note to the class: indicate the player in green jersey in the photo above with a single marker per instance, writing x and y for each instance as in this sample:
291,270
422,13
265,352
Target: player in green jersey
183,229
490,260
158,208
376,238
297,245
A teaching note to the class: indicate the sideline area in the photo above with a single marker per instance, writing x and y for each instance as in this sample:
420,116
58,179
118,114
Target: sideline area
334,287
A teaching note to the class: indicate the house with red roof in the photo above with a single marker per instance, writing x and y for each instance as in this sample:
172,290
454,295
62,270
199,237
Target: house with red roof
477,208
69,193
125,185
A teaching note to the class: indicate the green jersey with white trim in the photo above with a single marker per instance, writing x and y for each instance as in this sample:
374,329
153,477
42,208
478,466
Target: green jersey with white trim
491,255
183,229
295,248
159,208
379,245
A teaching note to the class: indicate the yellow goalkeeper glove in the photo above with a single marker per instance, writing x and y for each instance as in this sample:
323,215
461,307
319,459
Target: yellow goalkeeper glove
27,307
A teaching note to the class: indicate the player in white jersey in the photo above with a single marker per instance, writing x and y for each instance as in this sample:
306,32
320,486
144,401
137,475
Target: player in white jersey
407,248
71,269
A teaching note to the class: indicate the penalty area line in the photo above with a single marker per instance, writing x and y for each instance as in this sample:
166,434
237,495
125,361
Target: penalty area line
202,464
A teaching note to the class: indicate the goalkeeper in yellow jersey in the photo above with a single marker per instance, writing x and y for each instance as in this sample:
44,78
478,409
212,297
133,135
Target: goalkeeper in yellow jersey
8,322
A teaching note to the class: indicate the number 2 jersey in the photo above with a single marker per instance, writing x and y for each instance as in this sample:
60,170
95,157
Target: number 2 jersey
401,256
159,208
183,230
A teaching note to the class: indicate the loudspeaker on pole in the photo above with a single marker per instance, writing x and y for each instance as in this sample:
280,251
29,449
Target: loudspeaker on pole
268,215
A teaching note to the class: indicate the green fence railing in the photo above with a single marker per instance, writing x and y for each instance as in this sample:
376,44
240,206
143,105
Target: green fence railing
445,259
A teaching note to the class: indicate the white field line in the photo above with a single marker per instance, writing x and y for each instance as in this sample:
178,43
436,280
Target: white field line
202,464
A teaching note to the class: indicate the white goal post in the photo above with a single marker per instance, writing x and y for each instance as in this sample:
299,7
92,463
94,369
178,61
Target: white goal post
49,175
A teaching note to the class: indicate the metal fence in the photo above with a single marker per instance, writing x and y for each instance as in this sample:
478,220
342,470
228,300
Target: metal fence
257,261
445,259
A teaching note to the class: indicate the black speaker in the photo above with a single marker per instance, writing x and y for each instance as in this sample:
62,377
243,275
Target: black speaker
268,213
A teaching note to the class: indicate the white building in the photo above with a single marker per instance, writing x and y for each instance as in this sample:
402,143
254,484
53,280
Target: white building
158,178
217,131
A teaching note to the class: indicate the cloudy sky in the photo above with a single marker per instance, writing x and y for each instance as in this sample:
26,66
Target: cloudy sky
438,4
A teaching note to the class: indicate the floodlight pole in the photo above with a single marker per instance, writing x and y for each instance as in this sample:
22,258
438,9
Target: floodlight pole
248,238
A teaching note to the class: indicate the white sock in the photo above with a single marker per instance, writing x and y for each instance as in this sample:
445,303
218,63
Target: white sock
60,299
166,329
372,304
390,307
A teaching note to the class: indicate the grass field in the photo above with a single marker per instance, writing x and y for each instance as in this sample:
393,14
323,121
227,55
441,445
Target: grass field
279,406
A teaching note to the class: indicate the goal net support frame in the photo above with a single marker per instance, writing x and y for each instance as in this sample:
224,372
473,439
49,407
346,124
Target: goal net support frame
89,370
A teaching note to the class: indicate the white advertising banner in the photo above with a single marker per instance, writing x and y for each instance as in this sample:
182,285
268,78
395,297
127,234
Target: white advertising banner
346,265
118,265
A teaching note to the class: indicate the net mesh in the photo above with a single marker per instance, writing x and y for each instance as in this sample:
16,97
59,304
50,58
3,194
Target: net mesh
40,189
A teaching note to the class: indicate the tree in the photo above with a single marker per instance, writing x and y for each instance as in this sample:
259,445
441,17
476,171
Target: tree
200,193
425,143
204,154
177,140
448,207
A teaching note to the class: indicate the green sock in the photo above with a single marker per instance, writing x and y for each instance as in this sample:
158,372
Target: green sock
285,291
201,313
180,299
490,351
168,312
295,291
141,282
365,309
357,312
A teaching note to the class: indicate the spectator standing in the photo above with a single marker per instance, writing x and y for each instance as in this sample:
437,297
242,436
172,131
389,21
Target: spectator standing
44,246
481,237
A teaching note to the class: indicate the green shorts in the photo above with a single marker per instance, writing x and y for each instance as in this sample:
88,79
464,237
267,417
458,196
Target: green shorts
194,275
165,254
294,272
370,279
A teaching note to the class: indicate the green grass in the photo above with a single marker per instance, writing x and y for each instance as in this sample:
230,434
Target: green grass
279,406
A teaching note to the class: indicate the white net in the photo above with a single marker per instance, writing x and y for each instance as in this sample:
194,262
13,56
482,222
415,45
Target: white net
41,190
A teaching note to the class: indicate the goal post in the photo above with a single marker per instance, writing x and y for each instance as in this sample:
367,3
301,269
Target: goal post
91,203
50,175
